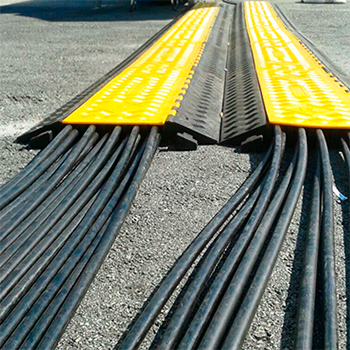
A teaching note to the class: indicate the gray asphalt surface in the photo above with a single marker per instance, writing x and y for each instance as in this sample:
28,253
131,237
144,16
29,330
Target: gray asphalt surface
52,50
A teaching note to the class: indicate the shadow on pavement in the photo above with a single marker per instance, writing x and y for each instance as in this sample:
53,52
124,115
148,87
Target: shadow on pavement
87,10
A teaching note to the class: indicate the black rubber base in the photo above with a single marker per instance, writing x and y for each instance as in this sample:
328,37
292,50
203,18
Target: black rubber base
243,109
200,110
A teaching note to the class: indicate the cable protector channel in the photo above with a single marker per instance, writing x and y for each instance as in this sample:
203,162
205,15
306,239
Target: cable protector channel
200,109
147,90
297,89
243,107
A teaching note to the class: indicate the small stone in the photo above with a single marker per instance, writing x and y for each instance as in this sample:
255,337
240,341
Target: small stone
260,333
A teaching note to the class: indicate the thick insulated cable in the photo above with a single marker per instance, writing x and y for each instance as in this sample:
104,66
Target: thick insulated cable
27,236
68,268
220,322
246,312
45,191
327,249
209,303
15,286
13,191
49,235
129,189
24,305
175,275
307,294
346,152
72,186
37,160
200,276
234,226
22,200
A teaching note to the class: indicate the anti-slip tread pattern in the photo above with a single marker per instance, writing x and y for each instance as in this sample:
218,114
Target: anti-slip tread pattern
243,110
200,109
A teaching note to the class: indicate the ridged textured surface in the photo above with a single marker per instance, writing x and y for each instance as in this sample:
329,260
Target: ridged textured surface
199,112
53,121
243,110
147,90
296,88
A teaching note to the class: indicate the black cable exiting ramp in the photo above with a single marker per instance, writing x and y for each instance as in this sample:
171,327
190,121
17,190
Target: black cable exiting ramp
61,216
232,258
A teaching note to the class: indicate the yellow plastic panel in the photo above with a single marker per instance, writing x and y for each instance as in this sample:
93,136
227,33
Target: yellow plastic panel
296,89
147,90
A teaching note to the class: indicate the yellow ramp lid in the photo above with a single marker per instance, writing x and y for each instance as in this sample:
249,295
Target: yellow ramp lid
147,90
296,89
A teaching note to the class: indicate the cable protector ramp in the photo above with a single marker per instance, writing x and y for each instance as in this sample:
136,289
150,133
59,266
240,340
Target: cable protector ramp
243,112
150,89
297,88
199,112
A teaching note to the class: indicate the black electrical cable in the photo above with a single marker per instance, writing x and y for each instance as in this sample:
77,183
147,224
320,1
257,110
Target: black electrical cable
37,160
219,323
327,250
346,152
128,189
200,276
175,275
307,293
176,327
20,280
12,192
19,314
37,251
52,209
61,268
85,172
22,200
209,303
46,227
45,191
28,204
45,231
246,312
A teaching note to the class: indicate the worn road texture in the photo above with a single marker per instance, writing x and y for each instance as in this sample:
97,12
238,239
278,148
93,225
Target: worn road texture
50,51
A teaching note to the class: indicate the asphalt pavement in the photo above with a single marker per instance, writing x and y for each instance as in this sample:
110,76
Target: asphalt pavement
52,50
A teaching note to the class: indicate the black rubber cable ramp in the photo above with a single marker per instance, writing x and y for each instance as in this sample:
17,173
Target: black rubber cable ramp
243,109
199,113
